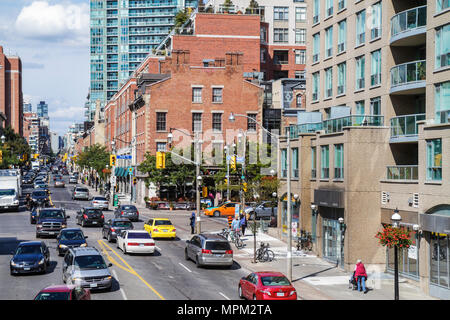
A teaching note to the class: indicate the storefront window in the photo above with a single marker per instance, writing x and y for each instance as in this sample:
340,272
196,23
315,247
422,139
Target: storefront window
295,211
408,259
440,272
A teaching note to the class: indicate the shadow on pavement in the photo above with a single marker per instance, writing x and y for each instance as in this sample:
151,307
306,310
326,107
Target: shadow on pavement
314,274
9,244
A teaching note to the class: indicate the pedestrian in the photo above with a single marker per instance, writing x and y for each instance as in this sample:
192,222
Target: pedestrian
192,223
243,223
361,276
235,226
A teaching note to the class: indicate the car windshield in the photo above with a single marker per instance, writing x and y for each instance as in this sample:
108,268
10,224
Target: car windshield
72,235
275,281
217,245
90,262
51,214
122,224
100,198
7,192
129,208
82,190
138,235
163,223
39,194
53,296
92,211
36,249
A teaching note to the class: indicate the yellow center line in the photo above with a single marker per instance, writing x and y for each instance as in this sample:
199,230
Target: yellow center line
131,270
113,261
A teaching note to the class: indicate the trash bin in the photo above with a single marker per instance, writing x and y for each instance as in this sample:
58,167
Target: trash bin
115,200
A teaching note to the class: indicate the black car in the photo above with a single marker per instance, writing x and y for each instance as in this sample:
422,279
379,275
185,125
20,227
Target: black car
127,211
40,197
90,216
113,227
30,256
70,238
50,221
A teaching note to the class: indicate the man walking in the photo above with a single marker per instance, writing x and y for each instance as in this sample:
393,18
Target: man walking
192,222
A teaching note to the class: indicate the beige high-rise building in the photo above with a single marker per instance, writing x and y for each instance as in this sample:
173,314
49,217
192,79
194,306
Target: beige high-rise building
375,136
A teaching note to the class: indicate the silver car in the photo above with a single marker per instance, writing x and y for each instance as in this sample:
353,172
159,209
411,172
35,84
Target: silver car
209,249
80,193
100,202
86,267
73,179
127,211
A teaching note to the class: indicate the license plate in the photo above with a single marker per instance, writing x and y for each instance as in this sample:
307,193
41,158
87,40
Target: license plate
93,285
51,233
219,255
165,230
26,269
280,294
94,222
141,245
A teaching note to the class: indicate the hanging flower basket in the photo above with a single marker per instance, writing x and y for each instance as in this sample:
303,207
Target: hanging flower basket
390,237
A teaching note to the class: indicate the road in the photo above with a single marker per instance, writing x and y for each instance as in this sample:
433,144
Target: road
166,275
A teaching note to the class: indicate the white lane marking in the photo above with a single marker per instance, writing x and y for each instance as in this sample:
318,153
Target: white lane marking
121,290
224,296
184,266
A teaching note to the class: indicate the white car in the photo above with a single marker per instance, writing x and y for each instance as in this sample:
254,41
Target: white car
135,241
100,202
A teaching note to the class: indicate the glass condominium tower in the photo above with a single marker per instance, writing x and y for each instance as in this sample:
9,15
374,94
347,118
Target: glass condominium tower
123,33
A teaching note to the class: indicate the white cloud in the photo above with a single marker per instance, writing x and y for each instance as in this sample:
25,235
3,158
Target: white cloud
59,23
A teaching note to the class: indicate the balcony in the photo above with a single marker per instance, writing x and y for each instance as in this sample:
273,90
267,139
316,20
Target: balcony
408,28
295,130
409,78
337,124
405,128
403,173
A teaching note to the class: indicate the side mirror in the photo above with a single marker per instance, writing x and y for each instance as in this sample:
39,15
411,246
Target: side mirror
86,237
110,264
12,252
68,217
188,241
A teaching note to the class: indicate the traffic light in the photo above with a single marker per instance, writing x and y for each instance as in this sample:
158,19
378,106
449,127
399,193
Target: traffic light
233,162
134,180
1,156
244,186
204,192
160,160
112,160
226,181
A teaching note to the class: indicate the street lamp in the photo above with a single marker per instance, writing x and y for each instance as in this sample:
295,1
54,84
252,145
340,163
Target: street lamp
343,227
395,219
3,138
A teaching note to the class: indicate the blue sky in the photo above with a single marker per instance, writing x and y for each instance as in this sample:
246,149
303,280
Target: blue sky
52,39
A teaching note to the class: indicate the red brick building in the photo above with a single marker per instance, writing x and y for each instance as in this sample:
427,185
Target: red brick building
11,104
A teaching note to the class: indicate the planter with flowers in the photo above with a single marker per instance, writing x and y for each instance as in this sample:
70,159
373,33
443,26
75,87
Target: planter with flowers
394,237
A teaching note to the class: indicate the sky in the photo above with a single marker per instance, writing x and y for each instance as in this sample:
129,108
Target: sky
52,39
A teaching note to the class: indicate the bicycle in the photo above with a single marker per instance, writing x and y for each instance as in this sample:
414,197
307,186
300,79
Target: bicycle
225,233
236,239
264,254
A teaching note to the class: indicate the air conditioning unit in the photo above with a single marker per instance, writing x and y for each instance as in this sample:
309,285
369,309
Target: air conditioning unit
329,92
415,200
316,57
360,83
385,197
361,38
340,89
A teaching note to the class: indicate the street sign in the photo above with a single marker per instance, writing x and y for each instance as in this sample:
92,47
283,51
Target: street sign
130,170
124,156
240,159
294,228
236,209
113,180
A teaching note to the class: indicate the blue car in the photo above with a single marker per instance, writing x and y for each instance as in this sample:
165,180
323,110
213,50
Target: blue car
30,257
70,238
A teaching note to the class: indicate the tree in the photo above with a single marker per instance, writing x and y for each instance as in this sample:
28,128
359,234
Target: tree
14,149
180,19
227,5
201,6
252,7
94,157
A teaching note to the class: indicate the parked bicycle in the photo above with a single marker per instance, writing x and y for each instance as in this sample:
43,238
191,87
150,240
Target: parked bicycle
225,233
304,241
264,254
236,239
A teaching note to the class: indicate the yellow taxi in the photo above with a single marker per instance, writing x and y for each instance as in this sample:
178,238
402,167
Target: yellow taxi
160,228
227,209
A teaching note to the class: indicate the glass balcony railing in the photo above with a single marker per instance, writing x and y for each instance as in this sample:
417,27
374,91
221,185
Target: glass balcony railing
408,73
410,173
295,130
408,20
337,125
405,125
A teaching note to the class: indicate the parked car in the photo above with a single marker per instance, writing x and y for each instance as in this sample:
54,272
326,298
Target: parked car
113,227
135,241
63,292
90,216
85,267
127,211
80,193
209,249
30,257
184,206
70,238
264,210
73,179
100,202
50,221
160,228
226,209
266,286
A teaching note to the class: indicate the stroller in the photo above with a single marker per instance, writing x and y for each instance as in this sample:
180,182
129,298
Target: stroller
352,282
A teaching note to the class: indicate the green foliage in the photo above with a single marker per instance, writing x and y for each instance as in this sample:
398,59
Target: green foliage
252,7
15,146
180,19
95,157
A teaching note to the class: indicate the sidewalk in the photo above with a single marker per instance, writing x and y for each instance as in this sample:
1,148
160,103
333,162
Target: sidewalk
313,277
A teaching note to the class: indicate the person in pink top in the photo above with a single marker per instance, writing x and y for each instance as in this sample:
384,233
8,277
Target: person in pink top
361,276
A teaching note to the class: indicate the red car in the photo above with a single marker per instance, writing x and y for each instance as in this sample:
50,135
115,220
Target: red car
64,292
266,286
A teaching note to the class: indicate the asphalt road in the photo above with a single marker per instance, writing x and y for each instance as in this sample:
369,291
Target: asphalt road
166,275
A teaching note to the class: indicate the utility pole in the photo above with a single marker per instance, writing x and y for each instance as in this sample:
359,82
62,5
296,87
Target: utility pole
289,212
197,180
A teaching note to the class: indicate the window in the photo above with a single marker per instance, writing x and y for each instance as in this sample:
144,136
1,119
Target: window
280,35
360,66
434,159
281,57
316,47
375,106
360,27
281,13
160,121
160,147
328,82
197,95
442,5
294,162
342,4
313,162
342,78
263,55
300,56
328,42
324,162
316,11
217,122
300,36
263,34
439,252
283,163
217,95
251,122
375,72
359,105
196,122
300,74
316,83
329,8
298,101
375,31
339,161
342,36
442,46
300,14
442,102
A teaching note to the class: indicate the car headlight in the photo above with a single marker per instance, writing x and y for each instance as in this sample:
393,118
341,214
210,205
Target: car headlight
42,261
83,245
62,246
14,264
107,278
16,201
39,226
63,226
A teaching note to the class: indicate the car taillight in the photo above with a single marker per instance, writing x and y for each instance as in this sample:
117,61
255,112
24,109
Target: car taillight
173,230
103,217
113,230
137,212
132,244
206,251
121,213
265,292
149,244
229,252
155,230
292,292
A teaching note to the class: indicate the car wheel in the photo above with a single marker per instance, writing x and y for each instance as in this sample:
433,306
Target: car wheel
216,214
37,235
240,292
197,263
124,249
109,237
186,256
254,297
